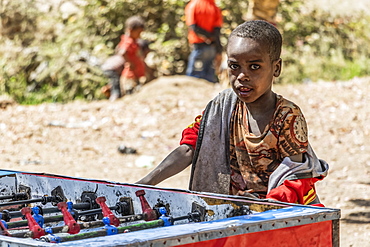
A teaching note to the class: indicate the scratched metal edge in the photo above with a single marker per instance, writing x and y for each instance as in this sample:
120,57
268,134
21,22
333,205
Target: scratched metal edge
321,214
195,232
235,228
18,242
191,233
150,187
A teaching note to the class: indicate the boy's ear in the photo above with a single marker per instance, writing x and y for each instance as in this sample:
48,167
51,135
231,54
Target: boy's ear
278,64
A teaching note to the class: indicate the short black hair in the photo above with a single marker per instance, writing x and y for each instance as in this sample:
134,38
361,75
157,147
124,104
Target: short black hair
261,31
135,22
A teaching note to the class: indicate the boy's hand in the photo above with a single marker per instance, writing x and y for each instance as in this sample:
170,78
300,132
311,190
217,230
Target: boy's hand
246,193
301,191
175,162
132,66
208,41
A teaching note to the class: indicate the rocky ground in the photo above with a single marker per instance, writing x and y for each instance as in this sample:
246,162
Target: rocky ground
81,139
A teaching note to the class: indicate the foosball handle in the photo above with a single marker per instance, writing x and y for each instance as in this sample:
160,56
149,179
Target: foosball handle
106,211
148,212
34,227
73,227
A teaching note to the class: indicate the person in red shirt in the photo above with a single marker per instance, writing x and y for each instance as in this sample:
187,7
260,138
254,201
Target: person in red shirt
249,141
129,48
204,21
113,67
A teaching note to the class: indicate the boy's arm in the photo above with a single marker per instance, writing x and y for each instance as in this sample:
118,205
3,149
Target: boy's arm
205,35
300,191
175,162
178,159
123,52
216,38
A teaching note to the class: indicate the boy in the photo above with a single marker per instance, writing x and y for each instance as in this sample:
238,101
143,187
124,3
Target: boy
129,48
249,141
113,67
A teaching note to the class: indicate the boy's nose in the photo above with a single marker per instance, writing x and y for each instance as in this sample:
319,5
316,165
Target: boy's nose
243,77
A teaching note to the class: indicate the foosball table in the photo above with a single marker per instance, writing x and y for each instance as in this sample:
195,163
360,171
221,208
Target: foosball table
51,210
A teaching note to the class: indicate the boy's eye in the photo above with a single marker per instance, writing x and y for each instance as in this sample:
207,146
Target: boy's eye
233,66
255,66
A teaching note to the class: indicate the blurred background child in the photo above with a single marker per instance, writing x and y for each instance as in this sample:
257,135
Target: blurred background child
129,49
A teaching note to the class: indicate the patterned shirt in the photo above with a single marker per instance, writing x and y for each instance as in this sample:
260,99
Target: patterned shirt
254,158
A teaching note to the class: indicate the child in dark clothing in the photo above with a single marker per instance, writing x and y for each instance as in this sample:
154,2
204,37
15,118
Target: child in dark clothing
249,140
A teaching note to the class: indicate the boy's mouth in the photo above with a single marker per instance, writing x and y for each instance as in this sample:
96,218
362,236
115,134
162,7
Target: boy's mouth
244,89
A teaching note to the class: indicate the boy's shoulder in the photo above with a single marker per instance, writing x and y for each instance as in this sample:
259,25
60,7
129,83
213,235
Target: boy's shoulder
284,102
127,40
288,105
226,94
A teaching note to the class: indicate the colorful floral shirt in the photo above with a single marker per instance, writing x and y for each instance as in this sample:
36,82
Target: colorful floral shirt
254,158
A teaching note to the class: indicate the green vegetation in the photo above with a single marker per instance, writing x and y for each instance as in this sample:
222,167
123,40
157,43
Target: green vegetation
318,45
52,53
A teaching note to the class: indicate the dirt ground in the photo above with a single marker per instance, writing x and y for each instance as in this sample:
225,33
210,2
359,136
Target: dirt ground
80,139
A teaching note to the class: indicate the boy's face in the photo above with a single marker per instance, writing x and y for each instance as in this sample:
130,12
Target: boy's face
251,71
135,33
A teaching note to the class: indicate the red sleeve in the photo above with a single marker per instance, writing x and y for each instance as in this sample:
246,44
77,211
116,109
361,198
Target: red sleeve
219,20
301,191
128,45
190,134
190,17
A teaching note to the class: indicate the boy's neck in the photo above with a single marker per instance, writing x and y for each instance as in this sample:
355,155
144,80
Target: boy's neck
264,104
260,113
129,34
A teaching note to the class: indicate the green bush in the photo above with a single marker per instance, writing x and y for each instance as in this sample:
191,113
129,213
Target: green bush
53,53
318,45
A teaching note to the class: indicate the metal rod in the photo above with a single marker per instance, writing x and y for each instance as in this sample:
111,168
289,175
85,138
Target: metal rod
185,217
22,223
15,196
94,211
17,214
84,225
103,232
99,223
48,219
44,199
82,205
